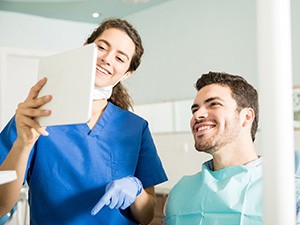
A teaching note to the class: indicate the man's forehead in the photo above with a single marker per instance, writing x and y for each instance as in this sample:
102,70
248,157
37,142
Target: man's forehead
213,91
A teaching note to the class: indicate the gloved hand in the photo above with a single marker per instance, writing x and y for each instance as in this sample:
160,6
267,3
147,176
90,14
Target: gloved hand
119,193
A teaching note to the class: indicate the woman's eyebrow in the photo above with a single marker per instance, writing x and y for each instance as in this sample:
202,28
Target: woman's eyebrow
109,45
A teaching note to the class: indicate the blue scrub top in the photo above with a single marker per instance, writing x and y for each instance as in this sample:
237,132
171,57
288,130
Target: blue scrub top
68,170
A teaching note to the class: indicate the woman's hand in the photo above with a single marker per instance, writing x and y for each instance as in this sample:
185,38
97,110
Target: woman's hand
119,193
27,128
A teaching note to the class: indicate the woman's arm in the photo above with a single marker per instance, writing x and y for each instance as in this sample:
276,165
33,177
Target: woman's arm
143,207
15,160
28,131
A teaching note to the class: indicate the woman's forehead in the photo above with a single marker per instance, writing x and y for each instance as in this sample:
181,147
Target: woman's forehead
118,39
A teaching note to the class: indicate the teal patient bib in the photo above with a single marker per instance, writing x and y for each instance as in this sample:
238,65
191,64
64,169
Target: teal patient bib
230,196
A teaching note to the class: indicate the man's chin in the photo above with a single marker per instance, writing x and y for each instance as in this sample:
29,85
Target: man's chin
203,149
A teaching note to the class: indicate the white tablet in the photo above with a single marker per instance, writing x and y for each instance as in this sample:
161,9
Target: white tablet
71,78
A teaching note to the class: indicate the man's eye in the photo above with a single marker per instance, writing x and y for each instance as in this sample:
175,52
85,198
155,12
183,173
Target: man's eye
215,104
194,110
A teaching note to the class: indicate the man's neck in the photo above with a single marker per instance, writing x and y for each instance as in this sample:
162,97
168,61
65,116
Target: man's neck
234,156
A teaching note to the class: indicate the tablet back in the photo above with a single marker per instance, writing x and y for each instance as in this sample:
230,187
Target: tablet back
71,78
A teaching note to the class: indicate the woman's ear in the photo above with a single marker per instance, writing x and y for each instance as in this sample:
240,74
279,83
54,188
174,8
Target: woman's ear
127,75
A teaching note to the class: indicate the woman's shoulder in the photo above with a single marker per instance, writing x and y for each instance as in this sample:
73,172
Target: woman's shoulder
124,112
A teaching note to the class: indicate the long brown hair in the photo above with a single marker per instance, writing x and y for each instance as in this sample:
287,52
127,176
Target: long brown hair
120,96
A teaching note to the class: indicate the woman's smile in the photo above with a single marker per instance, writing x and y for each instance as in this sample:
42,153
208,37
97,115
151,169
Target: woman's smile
102,71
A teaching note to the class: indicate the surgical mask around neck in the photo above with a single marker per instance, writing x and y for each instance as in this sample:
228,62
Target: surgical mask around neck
102,92
105,92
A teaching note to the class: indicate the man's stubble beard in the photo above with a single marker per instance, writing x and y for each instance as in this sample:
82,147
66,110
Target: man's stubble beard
219,139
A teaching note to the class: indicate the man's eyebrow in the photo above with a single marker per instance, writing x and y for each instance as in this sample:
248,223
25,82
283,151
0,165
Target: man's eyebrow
109,45
213,99
207,101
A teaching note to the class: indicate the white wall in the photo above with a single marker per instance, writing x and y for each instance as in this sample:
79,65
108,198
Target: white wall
194,37
295,14
23,40
184,39
38,33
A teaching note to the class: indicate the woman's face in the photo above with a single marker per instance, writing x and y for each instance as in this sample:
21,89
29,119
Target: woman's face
115,51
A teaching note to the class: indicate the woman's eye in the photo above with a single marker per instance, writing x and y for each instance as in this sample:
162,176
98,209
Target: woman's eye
101,47
120,59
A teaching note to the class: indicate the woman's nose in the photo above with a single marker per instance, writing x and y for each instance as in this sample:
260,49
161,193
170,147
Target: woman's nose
105,57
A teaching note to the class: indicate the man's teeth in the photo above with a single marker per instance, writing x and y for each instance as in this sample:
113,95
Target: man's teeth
203,128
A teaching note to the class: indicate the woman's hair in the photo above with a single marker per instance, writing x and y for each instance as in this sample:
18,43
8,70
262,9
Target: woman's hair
120,96
243,93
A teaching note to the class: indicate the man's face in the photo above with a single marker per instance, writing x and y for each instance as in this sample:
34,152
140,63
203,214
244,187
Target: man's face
215,122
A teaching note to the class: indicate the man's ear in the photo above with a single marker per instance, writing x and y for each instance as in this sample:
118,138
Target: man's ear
127,75
248,116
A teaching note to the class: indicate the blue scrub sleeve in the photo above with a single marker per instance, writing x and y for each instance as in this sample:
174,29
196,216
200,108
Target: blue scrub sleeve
7,138
149,169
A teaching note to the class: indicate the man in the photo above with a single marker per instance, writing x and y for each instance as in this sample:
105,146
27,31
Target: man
228,190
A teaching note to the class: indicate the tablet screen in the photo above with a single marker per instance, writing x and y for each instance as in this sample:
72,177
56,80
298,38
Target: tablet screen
70,81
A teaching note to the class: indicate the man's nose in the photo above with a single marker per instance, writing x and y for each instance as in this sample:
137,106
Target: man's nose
200,113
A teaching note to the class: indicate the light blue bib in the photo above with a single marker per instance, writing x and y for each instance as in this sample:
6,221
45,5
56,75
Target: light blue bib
230,196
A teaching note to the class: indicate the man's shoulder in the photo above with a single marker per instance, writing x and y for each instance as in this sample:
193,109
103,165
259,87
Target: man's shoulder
183,190
185,184
187,180
190,178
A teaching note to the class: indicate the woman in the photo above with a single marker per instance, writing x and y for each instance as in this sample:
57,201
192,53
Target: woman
69,168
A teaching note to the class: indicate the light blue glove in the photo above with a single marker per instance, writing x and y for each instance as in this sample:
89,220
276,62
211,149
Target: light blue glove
119,193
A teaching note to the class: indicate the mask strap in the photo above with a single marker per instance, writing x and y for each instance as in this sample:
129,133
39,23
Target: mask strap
105,92
121,79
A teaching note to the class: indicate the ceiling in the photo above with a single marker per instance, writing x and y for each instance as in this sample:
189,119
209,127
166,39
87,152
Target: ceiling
78,10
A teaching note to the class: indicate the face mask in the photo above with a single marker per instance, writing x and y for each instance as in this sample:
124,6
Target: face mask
105,92
102,92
